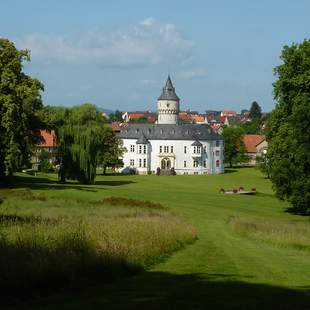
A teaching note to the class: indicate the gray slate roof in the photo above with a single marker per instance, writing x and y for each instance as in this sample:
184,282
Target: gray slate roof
196,143
142,139
200,132
169,92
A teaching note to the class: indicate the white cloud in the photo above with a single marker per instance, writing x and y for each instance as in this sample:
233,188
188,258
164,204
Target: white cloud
193,74
149,42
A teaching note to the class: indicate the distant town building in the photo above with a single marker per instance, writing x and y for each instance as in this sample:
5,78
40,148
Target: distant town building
49,144
255,145
134,116
170,146
228,113
116,126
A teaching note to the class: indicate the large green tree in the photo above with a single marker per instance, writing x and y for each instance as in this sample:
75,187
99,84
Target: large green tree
111,152
82,133
234,146
20,101
289,128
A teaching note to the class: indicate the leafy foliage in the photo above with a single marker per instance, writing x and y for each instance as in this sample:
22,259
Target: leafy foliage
111,152
289,128
81,133
116,116
234,146
263,164
140,120
45,165
20,103
252,127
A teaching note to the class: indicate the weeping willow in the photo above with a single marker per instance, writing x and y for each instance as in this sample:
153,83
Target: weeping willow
81,138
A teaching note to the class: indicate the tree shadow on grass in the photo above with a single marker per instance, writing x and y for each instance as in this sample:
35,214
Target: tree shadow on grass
113,182
230,170
158,290
44,183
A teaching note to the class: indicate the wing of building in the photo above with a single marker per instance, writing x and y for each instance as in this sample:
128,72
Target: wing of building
168,145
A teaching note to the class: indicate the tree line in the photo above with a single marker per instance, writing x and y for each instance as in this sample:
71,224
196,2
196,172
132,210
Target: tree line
84,139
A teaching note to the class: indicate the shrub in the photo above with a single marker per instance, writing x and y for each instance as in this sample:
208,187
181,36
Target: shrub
122,201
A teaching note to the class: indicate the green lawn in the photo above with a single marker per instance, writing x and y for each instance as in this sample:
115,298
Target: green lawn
250,254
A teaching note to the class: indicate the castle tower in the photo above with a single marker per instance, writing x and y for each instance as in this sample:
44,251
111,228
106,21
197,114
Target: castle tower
168,105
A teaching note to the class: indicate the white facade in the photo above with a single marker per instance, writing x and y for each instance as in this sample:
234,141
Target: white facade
184,148
177,154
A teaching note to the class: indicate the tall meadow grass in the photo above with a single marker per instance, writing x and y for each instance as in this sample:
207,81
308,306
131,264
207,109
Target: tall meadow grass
48,243
296,235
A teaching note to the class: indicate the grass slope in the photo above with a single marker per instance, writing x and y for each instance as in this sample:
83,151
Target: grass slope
227,268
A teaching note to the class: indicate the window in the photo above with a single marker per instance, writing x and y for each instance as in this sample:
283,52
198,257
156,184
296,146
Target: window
144,149
204,164
160,149
144,162
195,172
217,153
132,148
217,163
171,149
166,149
185,149
132,162
194,149
217,143
184,163
205,150
137,130
195,163
198,149
140,162
140,149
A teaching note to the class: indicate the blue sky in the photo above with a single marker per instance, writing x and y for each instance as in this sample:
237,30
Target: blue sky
117,54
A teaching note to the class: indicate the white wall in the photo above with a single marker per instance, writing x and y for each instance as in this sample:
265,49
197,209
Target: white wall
154,157
168,111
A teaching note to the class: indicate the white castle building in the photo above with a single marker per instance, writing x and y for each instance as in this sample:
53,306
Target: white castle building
168,145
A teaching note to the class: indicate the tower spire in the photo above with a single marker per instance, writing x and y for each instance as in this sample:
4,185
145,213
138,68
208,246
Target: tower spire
168,104
169,92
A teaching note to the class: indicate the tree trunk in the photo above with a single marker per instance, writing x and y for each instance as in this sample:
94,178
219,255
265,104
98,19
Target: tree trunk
104,170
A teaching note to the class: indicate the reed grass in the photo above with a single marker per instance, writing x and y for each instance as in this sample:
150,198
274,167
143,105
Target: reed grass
47,243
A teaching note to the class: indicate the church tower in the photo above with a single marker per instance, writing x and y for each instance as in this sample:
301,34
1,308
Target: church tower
168,105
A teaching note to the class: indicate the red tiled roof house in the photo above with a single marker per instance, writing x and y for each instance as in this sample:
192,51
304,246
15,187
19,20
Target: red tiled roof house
255,145
49,144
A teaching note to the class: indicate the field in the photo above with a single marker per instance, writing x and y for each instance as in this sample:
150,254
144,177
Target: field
250,253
